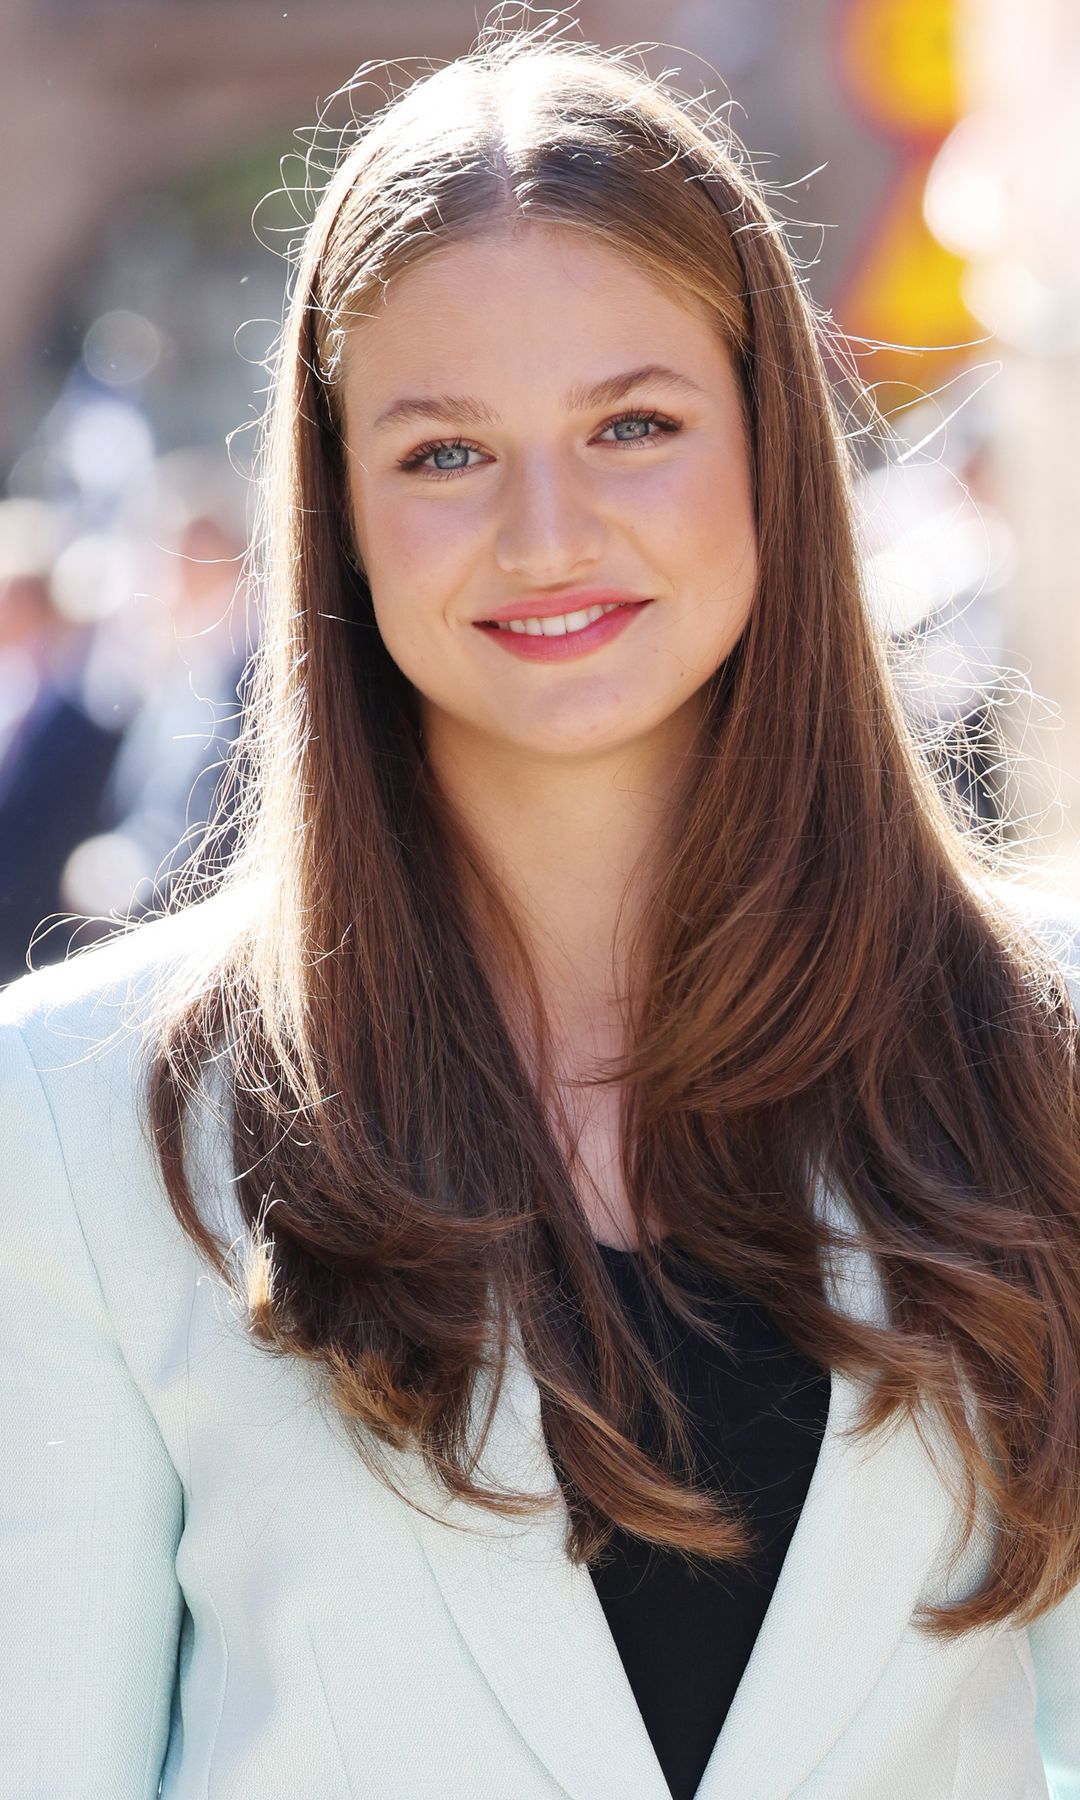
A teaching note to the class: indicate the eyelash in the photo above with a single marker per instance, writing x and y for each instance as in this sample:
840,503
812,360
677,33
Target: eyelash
411,462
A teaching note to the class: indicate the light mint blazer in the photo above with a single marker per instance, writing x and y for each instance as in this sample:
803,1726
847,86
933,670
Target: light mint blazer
205,1595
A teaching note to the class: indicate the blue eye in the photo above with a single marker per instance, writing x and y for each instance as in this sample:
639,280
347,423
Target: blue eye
660,420
423,451
434,446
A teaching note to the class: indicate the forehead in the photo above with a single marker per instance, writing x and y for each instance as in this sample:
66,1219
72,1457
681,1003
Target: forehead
508,251
544,305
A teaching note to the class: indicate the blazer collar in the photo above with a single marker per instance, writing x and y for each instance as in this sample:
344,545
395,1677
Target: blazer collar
867,1540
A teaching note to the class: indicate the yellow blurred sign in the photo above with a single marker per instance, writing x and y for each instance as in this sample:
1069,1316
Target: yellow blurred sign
899,57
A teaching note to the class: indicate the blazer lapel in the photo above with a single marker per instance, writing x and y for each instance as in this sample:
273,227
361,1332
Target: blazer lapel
530,1617
868,1537
867,1540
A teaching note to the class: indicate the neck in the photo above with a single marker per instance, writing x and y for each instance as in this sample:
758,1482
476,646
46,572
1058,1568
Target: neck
571,840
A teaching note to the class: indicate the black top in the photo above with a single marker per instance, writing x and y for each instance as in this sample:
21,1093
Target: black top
757,1417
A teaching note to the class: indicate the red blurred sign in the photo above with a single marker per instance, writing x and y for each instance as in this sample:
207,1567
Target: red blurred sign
899,62
906,287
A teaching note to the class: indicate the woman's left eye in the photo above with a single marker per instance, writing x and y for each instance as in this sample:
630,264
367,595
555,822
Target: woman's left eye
456,446
663,424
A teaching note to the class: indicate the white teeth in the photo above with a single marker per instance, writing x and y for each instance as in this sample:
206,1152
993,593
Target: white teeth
560,624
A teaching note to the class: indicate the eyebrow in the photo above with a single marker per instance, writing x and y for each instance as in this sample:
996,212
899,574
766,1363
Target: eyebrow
452,408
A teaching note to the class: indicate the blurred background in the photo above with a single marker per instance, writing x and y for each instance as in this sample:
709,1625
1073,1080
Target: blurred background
922,155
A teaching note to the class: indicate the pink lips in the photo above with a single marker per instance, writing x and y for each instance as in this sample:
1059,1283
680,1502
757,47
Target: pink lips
574,643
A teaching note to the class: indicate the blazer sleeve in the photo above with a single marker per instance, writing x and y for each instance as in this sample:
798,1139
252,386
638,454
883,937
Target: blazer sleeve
91,1506
1054,1639
1055,1649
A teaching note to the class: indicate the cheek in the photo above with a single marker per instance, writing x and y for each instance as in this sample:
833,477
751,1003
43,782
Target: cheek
713,559
414,548
407,562
699,525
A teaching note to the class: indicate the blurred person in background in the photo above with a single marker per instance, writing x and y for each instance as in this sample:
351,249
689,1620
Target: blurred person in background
164,784
55,757
936,552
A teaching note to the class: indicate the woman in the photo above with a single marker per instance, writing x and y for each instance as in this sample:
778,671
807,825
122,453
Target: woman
460,1272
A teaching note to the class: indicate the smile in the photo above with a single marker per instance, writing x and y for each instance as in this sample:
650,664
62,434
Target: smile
560,624
563,636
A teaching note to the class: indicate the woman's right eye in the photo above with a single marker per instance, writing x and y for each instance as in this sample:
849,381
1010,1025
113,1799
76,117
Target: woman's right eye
417,457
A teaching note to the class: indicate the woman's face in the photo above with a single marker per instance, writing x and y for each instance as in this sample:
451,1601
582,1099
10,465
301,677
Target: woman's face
532,426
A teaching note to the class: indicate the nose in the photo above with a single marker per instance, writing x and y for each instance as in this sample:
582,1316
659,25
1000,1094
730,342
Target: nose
549,530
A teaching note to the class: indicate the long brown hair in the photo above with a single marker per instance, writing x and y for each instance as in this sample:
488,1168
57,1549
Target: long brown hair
824,986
